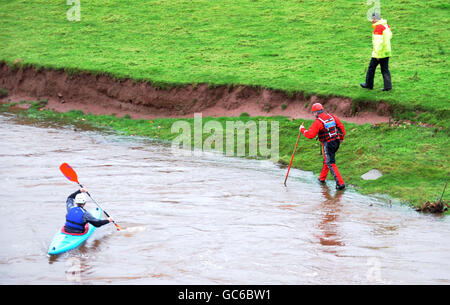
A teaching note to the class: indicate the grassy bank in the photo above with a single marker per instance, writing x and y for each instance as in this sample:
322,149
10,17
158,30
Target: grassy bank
413,159
315,46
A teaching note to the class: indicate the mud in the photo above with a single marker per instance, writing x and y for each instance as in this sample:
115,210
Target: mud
103,94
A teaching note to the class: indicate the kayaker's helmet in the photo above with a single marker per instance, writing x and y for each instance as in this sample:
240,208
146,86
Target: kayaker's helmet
317,109
80,199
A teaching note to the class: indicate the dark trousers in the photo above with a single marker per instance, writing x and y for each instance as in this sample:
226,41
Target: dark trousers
384,64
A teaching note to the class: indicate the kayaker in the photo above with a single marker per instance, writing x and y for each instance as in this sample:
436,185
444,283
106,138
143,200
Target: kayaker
331,132
77,217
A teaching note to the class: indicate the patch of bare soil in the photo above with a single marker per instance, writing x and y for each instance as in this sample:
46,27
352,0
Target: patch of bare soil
102,94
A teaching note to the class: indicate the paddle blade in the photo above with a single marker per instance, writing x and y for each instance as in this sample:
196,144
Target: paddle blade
118,227
68,171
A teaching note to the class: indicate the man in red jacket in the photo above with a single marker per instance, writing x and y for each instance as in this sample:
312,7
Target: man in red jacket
331,132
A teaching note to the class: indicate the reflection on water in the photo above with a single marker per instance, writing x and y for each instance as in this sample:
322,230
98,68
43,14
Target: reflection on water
330,207
192,220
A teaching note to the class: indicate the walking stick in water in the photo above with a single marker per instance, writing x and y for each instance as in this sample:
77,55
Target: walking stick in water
292,158
70,174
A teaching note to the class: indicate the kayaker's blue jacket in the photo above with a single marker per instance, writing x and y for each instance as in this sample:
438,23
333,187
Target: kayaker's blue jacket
78,217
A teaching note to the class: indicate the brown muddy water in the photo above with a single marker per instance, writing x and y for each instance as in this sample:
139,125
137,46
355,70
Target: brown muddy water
199,220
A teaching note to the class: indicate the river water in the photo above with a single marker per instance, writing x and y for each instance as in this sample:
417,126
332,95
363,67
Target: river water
198,220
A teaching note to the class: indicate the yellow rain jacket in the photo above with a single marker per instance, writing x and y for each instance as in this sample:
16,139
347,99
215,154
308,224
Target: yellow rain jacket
381,39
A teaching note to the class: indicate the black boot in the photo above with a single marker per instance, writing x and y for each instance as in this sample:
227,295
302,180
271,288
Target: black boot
364,85
340,187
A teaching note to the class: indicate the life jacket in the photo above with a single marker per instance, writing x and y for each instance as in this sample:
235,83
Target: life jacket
74,218
329,132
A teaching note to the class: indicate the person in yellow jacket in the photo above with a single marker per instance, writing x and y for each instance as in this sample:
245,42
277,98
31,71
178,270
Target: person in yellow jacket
381,40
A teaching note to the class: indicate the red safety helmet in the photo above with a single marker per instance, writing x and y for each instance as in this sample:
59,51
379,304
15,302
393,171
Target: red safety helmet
316,107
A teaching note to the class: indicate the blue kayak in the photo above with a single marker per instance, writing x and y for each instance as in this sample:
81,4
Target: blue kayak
63,241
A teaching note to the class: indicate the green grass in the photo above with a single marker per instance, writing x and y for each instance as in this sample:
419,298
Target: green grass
315,46
413,159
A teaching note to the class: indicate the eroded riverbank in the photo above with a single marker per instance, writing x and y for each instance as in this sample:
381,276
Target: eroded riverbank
103,94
